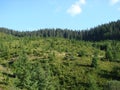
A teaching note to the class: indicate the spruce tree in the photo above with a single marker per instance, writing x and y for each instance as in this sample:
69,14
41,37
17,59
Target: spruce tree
94,62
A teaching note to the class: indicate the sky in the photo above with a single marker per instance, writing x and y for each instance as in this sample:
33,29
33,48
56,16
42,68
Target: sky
30,15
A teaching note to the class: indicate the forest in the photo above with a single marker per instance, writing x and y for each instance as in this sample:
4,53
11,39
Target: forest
61,59
110,31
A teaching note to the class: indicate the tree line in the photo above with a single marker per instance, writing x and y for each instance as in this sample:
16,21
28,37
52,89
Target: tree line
110,31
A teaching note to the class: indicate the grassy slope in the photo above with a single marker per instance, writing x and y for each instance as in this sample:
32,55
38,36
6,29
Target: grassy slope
42,48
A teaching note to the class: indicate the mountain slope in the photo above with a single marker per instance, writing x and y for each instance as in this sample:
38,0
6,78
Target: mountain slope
35,63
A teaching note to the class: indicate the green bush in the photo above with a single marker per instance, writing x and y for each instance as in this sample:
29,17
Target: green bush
69,56
81,53
94,62
116,72
112,85
109,55
92,83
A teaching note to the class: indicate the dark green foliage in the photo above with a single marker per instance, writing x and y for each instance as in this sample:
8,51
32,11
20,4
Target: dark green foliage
116,56
51,56
36,53
4,53
116,72
109,31
81,53
109,55
112,85
94,62
32,76
69,56
92,83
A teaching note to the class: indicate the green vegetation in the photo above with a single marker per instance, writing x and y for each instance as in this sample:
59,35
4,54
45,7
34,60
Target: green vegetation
94,62
110,31
57,63
112,85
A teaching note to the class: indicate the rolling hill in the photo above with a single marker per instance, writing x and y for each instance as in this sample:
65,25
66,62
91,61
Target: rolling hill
56,59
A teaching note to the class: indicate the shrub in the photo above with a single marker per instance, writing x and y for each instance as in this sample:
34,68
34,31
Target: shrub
116,72
109,55
69,56
92,83
94,62
81,53
112,85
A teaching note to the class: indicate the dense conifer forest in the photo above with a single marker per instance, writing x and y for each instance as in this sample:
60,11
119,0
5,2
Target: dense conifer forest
110,31
61,59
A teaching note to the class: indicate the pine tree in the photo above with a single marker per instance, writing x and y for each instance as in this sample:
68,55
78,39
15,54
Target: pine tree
92,83
94,62
109,55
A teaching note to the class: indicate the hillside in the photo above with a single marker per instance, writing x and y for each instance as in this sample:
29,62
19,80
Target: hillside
110,31
54,63
56,59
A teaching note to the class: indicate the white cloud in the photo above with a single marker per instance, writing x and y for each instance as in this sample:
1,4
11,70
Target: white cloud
113,2
82,1
75,8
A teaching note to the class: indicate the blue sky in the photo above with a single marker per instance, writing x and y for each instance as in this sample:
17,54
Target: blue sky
71,14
